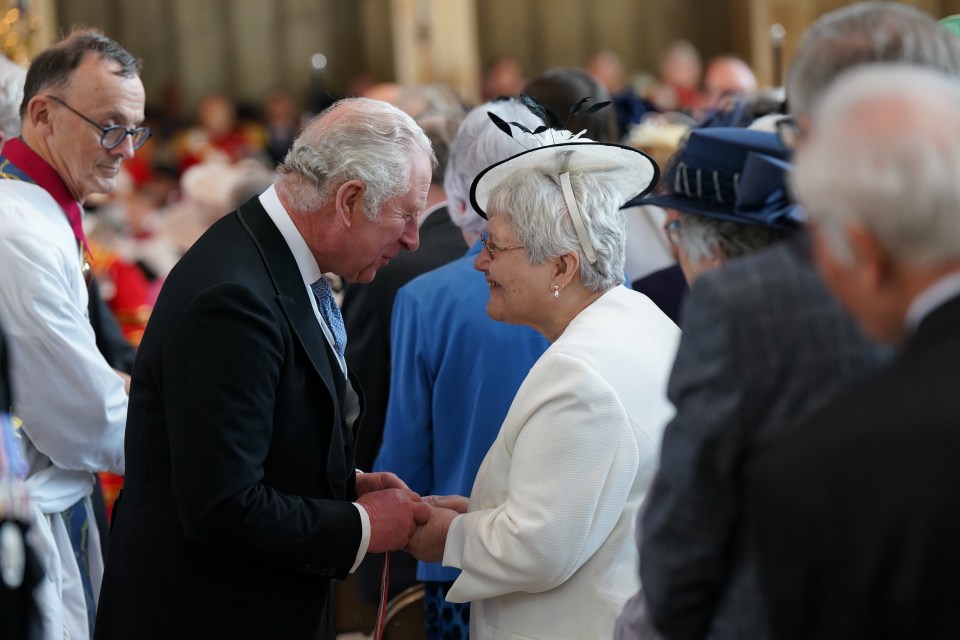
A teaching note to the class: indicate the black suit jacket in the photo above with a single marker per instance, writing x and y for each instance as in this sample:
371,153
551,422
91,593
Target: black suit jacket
367,309
857,510
235,513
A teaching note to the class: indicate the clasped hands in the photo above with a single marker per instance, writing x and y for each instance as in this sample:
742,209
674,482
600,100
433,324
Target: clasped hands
401,519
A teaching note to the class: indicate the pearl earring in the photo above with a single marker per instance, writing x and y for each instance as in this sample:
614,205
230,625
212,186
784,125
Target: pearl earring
556,291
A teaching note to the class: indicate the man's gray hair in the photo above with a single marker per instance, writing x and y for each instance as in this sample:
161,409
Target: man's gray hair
532,202
354,139
705,238
12,76
51,70
866,32
886,155
477,145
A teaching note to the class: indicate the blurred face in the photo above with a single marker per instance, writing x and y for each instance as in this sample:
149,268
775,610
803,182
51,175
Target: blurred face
692,269
857,284
725,78
372,244
520,292
98,93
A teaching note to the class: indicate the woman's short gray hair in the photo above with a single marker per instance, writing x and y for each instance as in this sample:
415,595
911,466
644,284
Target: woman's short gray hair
355,139
477,145
709,238
532,202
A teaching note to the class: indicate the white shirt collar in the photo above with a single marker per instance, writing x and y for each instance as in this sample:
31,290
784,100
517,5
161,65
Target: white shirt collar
935,295
306,263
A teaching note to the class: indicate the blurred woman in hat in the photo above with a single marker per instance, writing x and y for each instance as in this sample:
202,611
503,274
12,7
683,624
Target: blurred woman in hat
726,196
546,544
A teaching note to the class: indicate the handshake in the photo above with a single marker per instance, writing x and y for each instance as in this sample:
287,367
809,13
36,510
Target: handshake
400,519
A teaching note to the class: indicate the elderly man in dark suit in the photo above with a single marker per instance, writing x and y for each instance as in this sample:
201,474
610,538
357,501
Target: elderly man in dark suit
241,500
764,344
857,510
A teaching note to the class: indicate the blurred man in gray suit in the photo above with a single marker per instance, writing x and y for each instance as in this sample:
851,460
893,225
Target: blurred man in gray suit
865,546
764,344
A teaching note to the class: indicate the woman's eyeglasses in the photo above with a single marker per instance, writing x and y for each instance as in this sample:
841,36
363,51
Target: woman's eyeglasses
493,249
672,230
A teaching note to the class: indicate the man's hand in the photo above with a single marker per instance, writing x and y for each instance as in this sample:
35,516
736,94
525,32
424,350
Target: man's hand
457,503
428,542
394,515
367,482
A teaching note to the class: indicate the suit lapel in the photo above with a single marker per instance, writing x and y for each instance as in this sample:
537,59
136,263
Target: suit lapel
292,298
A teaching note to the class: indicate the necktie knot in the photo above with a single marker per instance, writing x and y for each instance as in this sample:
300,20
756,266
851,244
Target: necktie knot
331,314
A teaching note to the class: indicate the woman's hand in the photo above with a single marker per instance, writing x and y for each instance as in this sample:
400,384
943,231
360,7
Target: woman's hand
428,542
457,503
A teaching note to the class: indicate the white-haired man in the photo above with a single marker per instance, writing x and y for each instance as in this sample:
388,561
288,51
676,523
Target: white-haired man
865,545
237,509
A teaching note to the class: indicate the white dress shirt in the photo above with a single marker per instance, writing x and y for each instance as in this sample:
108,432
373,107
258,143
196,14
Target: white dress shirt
310,271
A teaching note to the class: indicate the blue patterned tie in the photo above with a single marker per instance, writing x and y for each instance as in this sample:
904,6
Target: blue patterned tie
331,313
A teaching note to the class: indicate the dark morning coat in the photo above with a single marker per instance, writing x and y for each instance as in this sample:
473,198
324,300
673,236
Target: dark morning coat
857,511
235,513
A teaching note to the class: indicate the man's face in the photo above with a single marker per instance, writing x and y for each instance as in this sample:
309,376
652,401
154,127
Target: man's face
96,91
372,244
857,282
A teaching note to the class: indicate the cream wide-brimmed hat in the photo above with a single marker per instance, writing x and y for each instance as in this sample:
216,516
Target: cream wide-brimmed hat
561,153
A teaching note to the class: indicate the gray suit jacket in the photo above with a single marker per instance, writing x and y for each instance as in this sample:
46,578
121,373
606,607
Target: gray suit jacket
764,344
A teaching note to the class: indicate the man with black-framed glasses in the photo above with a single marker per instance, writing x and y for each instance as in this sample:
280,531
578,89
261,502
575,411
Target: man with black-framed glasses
71,405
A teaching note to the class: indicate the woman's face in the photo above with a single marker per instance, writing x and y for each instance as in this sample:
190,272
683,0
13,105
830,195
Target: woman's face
520,292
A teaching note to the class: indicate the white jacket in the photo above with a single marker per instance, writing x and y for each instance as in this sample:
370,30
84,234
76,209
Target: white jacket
547,548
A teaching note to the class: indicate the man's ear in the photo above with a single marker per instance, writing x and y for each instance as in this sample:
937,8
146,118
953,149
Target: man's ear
39,114
871,258
348,200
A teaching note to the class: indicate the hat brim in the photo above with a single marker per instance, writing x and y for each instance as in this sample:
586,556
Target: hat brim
632,171
786,216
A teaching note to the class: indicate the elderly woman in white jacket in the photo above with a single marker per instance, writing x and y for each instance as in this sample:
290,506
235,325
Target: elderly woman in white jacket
546,545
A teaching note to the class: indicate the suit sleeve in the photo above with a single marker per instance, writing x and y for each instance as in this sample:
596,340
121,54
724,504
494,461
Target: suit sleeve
221,369
407,448
693,506
573,461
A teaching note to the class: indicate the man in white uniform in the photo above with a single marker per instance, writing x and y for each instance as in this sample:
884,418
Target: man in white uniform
82,112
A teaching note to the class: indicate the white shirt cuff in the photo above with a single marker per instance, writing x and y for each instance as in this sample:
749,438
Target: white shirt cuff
364,536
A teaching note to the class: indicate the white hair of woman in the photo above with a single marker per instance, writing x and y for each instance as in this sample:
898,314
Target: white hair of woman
879,158
354,139
477,145
532,201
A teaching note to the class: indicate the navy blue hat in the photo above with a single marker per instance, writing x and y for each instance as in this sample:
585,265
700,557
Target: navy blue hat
732,174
